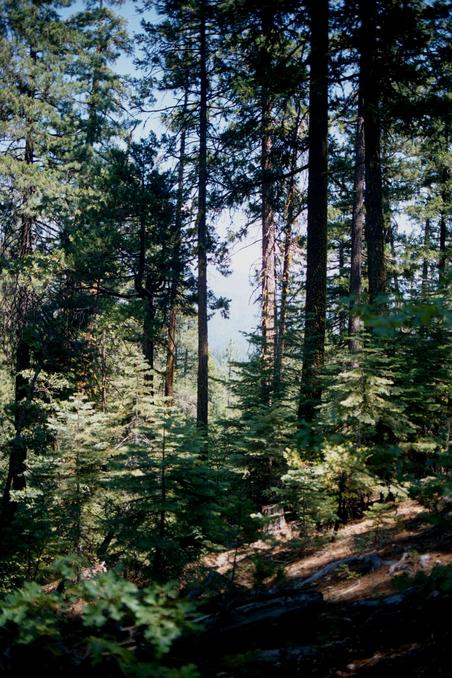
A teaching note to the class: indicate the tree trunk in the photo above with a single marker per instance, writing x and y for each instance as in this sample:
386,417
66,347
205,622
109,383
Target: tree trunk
442,247
268,254
342,291
268,282
369,74
144,288
172,321
445,195
315,311
287,245
281,339
171,354
427,234
354,323
15,478
203,346
149,331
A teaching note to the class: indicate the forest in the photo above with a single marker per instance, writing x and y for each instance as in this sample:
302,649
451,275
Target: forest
167,511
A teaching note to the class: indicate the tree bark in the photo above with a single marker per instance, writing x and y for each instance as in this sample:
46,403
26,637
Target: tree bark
370,83
144,288
268,255
354,324
445,195
15,478
442,247
268,219
149,331
315,310
427,235
203,345
172,320
287,245
171,347
342,319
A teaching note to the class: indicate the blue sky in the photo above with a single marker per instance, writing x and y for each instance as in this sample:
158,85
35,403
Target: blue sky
244,255
238,286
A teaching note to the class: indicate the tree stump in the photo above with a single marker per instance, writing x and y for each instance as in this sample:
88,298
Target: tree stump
275,521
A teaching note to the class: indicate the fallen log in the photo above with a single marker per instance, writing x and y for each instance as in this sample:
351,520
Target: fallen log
368,563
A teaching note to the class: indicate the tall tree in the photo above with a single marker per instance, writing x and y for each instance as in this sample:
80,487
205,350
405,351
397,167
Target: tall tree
34,57
290,215
202,248
357,231
176,272
268,307
370,76
316,267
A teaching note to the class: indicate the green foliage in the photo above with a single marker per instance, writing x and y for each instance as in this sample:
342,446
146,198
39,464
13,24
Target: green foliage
97,245
435,492
154,616
439,580
304,490
32,612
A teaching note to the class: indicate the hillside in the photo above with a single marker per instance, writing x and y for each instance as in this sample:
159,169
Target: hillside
334,610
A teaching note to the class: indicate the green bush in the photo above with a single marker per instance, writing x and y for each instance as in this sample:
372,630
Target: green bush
119,627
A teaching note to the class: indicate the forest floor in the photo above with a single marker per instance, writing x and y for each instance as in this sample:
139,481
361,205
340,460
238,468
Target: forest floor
292,607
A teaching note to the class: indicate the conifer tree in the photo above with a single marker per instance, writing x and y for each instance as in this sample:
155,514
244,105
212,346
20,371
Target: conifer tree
315,310
36,171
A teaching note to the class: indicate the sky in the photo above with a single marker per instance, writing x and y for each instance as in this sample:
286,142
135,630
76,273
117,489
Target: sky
244,255
239,286
224,333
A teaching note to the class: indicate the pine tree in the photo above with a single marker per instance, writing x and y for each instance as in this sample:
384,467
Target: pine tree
36,172
315,310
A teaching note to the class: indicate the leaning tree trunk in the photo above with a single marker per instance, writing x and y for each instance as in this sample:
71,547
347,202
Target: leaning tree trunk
203,345
315,311
354,323
370,82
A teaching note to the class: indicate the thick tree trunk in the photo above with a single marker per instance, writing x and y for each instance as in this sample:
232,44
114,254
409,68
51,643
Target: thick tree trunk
370,78
203,346
315,311
354,324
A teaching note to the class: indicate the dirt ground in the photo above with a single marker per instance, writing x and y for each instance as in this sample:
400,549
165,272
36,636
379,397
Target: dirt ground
403,539
328,606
